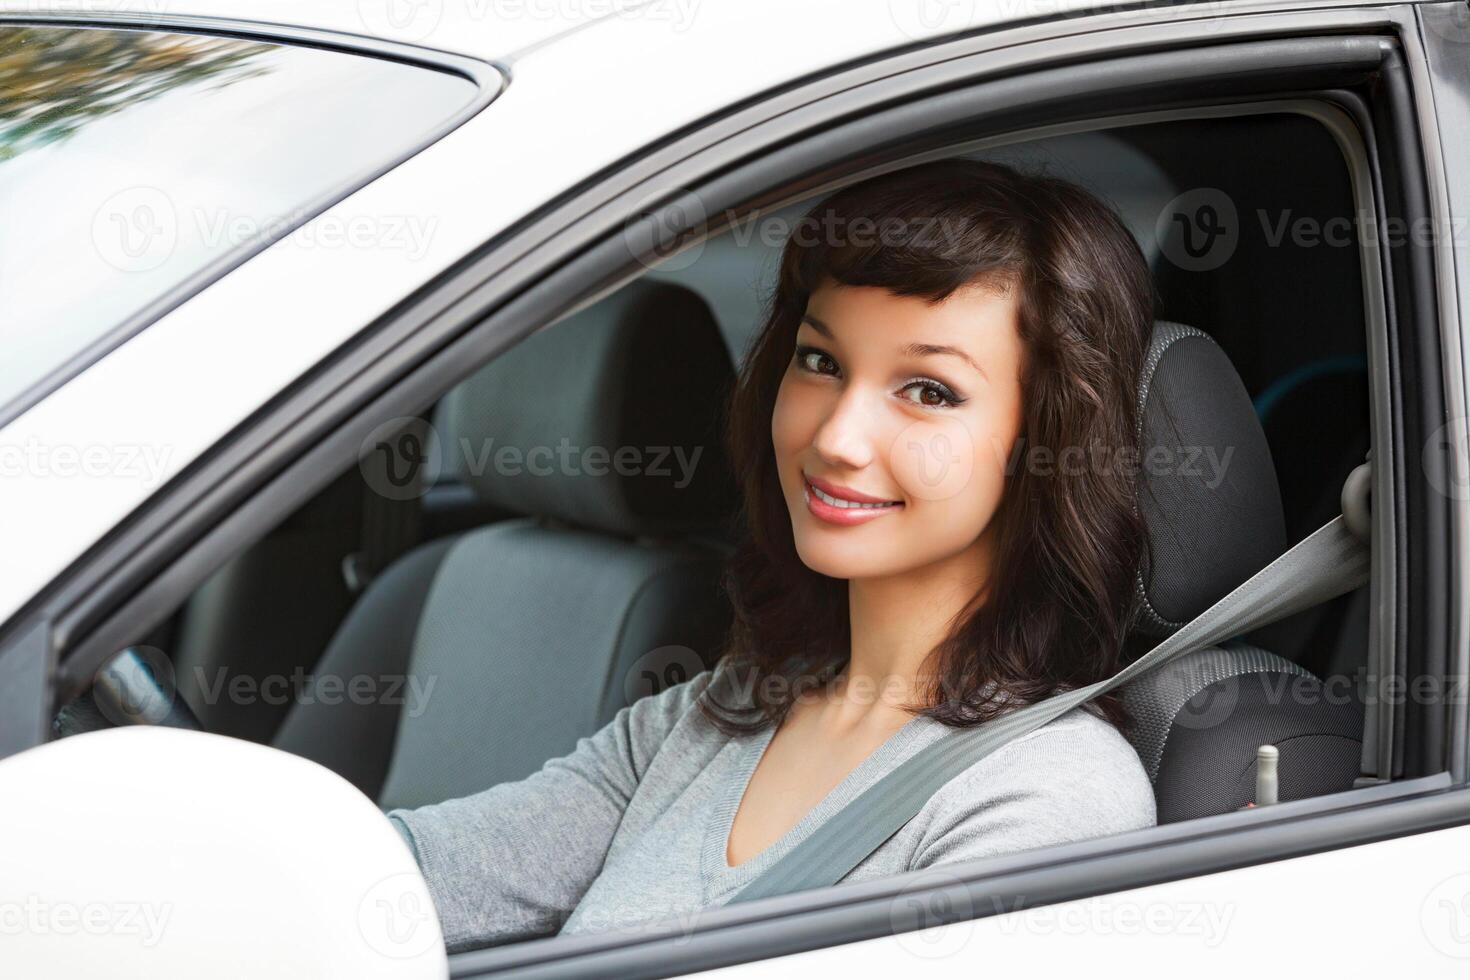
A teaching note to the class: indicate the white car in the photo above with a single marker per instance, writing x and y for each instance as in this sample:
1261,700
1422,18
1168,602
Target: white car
258,266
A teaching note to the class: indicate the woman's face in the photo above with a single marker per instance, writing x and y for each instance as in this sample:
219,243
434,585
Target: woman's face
893,426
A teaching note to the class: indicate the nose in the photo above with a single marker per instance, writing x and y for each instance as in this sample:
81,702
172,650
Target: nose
845,437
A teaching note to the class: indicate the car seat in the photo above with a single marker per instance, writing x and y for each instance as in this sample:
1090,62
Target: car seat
517,638
1199,720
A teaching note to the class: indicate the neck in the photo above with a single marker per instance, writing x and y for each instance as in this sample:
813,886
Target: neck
896,622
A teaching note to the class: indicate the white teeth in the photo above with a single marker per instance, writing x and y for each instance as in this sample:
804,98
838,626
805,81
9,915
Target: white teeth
849,504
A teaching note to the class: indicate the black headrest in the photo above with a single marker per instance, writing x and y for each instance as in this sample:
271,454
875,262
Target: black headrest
1207,489
608,419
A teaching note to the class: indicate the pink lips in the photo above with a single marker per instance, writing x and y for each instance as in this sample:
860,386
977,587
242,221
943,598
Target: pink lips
836,513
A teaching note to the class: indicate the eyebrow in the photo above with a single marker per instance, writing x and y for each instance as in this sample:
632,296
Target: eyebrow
817,325
923,350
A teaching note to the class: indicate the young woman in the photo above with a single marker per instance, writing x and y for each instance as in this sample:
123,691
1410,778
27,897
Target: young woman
918,557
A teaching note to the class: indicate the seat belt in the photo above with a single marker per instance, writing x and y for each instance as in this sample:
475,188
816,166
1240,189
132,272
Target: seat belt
1327,563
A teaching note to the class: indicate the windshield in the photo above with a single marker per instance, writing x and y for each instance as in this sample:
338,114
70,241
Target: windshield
132,161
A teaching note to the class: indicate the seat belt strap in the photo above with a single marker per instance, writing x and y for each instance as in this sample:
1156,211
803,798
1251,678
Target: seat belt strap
1327,563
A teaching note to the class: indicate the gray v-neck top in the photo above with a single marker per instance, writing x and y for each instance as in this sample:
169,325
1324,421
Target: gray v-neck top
630,829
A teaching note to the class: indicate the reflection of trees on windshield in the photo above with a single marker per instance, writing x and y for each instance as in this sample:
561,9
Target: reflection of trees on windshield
54,80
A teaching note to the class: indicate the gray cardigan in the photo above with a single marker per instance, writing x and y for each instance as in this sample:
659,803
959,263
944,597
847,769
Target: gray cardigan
629,830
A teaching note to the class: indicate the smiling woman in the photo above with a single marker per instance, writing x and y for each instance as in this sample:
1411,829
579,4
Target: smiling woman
897,579
894,548
996,316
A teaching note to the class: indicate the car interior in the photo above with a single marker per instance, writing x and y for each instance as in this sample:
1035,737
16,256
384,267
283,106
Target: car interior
519,610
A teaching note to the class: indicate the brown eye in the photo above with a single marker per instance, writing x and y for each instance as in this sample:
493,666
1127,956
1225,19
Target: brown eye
930,394
815,361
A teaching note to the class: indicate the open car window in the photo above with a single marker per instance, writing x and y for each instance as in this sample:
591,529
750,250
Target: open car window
495,580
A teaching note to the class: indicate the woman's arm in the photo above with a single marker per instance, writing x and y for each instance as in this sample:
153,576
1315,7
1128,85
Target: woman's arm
512,861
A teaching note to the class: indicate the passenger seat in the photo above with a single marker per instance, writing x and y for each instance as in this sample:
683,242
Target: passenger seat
523,635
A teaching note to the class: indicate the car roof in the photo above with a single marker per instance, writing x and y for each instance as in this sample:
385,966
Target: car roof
501,30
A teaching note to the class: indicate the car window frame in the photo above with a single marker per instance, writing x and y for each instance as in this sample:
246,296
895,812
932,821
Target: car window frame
539,274
1441,69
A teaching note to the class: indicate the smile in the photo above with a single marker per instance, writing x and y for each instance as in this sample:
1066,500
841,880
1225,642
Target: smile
837,505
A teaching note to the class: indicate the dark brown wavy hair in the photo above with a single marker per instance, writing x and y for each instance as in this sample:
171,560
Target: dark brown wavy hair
1068,543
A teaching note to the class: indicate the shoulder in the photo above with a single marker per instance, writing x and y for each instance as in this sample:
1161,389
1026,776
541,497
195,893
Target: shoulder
674,698
656,713
671,716
1075,777
1060,759
1079,741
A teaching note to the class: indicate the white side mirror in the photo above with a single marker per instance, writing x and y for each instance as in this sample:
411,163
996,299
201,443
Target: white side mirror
172,855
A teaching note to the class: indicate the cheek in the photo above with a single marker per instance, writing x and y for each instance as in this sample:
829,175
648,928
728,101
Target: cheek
934,459
794,419
954,461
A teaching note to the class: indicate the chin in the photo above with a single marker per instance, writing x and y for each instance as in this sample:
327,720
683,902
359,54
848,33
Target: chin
850,559
839,568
